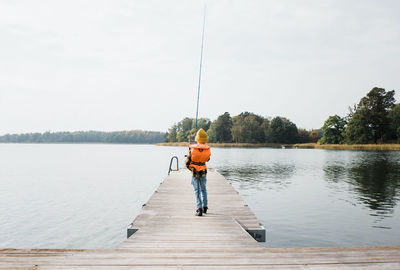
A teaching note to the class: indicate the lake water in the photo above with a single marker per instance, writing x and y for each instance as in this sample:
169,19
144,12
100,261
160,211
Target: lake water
85,195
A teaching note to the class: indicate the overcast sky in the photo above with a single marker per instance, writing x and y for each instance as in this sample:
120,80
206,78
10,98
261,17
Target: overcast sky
118,65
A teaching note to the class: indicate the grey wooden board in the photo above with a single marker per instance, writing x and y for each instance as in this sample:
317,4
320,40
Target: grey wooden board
307,258
169,236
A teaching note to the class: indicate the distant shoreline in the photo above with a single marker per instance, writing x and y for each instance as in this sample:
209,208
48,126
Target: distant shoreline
78,143
232,145
364,147
369,147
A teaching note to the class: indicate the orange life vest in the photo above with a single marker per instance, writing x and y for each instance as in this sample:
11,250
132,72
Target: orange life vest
200,154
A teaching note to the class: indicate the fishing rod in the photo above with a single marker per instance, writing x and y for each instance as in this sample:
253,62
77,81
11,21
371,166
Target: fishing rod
201,65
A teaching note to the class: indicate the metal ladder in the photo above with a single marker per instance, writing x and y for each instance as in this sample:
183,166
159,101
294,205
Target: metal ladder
170,164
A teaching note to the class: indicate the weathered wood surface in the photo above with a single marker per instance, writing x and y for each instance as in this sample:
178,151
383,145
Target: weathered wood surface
168,220
171,237
216,258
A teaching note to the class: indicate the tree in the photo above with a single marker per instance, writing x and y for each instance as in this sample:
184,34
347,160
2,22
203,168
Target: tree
247,128
315,135
282,130
333,130
253,131
128,136
203,123
186,124
238,132
212,136
291,131
220,129
265,126
183,129
394,117
375,107
171,134
275,130
304,136
398,134
358,129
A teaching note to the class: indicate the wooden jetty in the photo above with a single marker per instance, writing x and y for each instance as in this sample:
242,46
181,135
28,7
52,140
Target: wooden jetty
167,235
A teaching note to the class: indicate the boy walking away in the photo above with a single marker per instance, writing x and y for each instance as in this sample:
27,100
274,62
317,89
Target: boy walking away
196,160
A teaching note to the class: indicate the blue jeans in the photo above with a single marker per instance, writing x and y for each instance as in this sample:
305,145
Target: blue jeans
199,185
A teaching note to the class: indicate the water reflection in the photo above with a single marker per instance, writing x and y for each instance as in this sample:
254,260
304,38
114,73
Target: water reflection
376,178
318,197
335,172
373,176
274,175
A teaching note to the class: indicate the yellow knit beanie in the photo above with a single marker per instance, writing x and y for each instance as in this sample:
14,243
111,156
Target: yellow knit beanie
201,136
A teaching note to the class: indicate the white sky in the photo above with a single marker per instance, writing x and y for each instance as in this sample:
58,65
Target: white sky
117,65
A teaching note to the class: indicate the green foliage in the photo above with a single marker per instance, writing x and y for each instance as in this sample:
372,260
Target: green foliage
171,135
220,129
129,136
373,119
315,135
184,130
374,109
203,123
265,126
398,134
303,136
275,130
359,130
247,128
282,130
394,118
333,130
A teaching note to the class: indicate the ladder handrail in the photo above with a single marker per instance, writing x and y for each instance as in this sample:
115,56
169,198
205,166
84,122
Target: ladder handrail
170,164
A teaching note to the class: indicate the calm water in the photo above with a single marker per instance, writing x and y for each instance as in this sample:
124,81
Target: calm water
84,196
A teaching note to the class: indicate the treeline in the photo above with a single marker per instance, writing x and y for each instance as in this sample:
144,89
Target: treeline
246,127
375,119
129,136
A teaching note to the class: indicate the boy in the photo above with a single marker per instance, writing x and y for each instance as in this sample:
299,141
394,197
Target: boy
196,160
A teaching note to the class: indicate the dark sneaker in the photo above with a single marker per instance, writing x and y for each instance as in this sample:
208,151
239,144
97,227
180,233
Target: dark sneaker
199,212
205,208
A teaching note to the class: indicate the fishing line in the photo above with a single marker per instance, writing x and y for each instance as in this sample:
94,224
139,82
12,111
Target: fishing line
201,65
